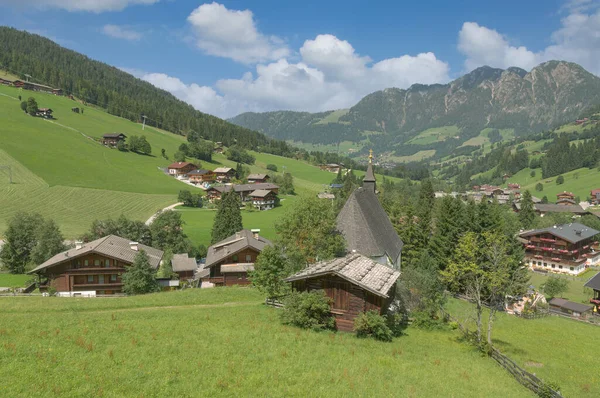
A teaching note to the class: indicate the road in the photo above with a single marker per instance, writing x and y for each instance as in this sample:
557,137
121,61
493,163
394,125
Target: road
171,207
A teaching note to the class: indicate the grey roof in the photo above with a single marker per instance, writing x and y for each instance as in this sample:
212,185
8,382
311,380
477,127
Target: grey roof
110,246
200,172
260,193
257,176
369,176
223,170
574,232
239,267
182,262
594,283
357,269
113,135
570,305
367,228
234,244
246,187
571,201
554,208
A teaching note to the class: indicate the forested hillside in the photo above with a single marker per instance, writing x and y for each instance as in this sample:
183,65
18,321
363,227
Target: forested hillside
120,93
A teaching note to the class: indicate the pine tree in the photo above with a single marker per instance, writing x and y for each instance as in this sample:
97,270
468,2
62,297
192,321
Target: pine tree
527,212
228,219
424,210
139,277
449,226
407,229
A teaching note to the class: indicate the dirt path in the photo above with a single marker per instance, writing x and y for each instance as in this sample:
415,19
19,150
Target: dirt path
170,207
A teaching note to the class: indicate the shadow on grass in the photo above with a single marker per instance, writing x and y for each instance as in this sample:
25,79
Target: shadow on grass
507,348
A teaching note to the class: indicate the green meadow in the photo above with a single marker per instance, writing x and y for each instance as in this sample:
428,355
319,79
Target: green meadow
576,292
221,342
432,135
580,182
553,348
13,280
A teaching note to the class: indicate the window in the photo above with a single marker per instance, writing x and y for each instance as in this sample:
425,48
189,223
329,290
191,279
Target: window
560,266
234,258
113,278
248,258
107,263
90,278
572,268
338,293
85,263
97,263
553,266
101,279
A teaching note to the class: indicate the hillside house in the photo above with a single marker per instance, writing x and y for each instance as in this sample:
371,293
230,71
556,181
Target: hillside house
565,195
57,91
331,167
244,190
218,147
366,227
594,284
5,82
32,86
181,169
514,186
570,308
200,176
184,266
543,208
263,199
595,196
566,248
354,284
258,178
93,268
224,174
229,261
46,113
111,139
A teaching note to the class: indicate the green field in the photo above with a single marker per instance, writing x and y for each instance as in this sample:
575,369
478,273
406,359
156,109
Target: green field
432,135
414,157
580,182
221,342
555,349
12,280
334,117
482,138
576,291
345,147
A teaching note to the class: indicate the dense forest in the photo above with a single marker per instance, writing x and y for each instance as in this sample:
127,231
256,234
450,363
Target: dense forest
120,93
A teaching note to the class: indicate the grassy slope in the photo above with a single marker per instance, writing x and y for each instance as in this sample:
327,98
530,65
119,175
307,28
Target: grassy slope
432,135
555,349
109,348
580,182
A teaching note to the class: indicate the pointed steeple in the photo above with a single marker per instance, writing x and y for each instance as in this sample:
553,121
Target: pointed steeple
369,181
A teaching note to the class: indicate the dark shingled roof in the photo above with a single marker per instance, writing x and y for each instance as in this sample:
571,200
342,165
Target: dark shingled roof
199,172
257,176
573,232
114,135
357,269
594,283
246,187
182,263
234,244
110,246
570,305
367,228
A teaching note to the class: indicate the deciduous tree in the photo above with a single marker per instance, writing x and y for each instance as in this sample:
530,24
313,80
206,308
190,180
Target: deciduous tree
228,219
20,240
139,276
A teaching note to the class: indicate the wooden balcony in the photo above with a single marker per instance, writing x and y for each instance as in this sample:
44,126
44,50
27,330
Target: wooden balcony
104,285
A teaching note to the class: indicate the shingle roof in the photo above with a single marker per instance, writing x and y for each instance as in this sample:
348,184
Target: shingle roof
223,170
182,262
594,283
199,172
179,165
260,193
110,246
232,245
574,232
570,305
257,176
113,135
246,187
357,269
367,228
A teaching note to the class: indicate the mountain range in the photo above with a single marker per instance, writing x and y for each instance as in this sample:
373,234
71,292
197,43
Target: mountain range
551,94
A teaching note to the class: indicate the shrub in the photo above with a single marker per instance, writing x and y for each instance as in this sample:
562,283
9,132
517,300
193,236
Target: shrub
308,310
560,180
424,320
272,167
539,187
371,324
532,174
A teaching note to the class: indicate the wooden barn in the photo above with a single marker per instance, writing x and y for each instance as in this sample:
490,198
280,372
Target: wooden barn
200,176
354,284
184,266
109,139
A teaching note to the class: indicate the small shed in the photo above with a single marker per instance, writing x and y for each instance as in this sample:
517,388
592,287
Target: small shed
354,284
576,310
184,266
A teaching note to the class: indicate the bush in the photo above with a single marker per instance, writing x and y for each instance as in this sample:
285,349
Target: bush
560,180
539,187
272,167
424,320
308,310
532,174
371,324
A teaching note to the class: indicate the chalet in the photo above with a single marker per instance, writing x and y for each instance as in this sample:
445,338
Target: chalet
566,248
565,195
354,284
366,227
224,174
184,266
32,86
543,208
566,202
594,284
180,169
513,186
331,167
228,261
57,91
595,196
218,147
263,199
258,178
570,308
46,113
111,139
93,268
244,190
200,176
5,82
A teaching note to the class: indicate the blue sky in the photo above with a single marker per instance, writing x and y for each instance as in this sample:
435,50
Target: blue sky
228,57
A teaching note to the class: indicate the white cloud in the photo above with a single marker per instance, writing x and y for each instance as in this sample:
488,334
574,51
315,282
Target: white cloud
96,6
578,40
121,32
335,57
233,34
